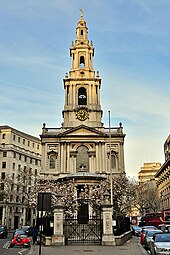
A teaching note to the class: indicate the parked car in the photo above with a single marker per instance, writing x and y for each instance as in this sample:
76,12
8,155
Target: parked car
19,231
149,237
164,227
143,232
160,245
3,231
136,230
27,230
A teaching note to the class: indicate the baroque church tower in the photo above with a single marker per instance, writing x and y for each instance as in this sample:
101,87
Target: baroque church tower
82,144
82,86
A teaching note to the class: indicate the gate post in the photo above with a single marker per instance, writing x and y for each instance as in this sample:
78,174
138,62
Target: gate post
58,237
107,237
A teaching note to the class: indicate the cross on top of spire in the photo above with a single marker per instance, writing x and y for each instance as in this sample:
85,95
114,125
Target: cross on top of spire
81,13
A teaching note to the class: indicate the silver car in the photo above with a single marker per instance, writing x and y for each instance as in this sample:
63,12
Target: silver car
160,245
149,237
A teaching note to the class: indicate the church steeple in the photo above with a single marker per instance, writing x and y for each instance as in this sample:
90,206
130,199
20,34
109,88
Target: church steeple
82,85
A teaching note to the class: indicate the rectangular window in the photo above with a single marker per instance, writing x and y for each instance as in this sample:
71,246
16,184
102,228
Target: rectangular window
13,137
19,156
28,143
3,164
2,175
3,136
13,166
23,141
4,154
19,139
33,145
19,167
14,154
2,186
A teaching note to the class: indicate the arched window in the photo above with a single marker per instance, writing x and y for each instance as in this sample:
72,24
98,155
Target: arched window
52,161
82,96
82,161
82,62
113,162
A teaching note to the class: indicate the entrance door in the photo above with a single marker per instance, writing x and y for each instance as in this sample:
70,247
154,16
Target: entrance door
16,222
83,216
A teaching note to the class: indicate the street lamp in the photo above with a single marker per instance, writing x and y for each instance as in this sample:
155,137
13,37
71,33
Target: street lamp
110,168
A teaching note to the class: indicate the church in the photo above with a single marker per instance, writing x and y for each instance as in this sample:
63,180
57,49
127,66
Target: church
82,147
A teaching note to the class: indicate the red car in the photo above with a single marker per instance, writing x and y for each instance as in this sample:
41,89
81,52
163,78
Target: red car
143,232
20,240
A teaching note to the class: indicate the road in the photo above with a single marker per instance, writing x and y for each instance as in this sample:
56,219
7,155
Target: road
5,250
130,248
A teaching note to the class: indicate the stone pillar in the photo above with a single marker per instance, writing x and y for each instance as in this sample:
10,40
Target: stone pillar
58,237
107,237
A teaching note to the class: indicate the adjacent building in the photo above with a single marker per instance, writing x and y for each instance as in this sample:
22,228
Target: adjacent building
20,163
163,178
148,171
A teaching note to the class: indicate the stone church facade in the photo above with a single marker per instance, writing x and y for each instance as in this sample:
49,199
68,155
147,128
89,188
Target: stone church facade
82,143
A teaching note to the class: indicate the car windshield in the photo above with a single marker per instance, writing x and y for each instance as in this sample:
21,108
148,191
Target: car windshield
1,228
162,238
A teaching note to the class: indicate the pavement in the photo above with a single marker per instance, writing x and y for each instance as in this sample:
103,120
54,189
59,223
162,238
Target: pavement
132,247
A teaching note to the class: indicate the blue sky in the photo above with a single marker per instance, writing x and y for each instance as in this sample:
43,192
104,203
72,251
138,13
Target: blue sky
132,54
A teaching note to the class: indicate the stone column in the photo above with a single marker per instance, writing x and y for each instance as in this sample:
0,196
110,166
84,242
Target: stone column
107,237
58,237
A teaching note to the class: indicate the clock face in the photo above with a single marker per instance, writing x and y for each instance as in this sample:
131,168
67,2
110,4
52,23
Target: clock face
82,114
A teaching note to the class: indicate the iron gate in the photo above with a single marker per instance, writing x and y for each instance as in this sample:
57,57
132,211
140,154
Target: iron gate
77,233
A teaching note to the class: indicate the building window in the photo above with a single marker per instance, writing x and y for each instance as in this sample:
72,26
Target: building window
19,156
3,164
52,161
4,154
13,137
28,143
14,154
19,167
82,62
3,136
2,186
23,141
13,166
25,158
82,96
81,32
33,145
38,147
2,175
19,139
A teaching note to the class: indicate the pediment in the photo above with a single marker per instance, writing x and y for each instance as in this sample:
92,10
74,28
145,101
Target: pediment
83,131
